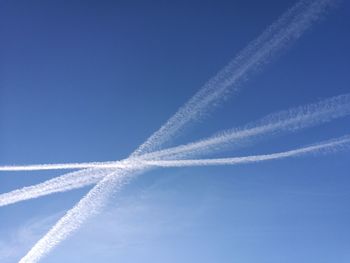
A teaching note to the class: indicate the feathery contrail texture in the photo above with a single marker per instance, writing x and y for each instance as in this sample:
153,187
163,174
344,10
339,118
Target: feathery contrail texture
287,29
322,147
319,147
87,206
62,183
290,120
62,166
285,121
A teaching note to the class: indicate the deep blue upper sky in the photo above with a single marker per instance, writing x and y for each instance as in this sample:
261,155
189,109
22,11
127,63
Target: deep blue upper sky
91,80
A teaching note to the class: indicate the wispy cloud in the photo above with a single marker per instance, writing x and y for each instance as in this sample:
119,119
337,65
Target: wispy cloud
14,245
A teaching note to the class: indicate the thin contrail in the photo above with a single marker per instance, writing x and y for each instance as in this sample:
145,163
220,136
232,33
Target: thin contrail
322,147
285,121
63,166
288,28
131,163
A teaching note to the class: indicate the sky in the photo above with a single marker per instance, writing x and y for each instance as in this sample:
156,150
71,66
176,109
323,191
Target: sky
91,80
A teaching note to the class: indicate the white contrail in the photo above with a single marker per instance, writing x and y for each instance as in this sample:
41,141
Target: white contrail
63,166
97,195
285,121
322,147
287,29
77,180
87,206
140,162
62,183
284,31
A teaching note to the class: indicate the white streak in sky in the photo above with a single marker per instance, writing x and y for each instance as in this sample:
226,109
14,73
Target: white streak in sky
139,162
62,166
62,183
322,147
285,121
88,206
287,29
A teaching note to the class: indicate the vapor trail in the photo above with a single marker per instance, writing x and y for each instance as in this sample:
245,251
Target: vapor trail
139,162
322,147
98,196
63,166
285,121
62,183
287,29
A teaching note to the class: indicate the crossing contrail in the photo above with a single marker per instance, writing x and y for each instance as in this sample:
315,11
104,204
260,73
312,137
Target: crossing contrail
286,30
129,164
284,121
322,147
289,120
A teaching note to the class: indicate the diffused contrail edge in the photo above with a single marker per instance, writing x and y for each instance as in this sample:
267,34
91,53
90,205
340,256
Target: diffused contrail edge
290,120
96,198
288,28
285,121
99,196
131,163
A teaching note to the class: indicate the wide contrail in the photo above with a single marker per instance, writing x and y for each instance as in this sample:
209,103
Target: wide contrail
63,183
290,120
286,30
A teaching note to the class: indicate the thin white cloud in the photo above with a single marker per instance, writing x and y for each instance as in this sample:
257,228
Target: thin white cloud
13,245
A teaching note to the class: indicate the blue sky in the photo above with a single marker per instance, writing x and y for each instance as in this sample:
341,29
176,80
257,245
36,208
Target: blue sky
91,80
